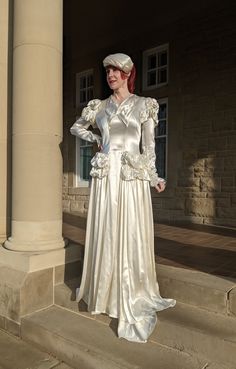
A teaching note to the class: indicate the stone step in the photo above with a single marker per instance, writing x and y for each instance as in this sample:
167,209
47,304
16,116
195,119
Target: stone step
85,343
207,291
184,327
199,289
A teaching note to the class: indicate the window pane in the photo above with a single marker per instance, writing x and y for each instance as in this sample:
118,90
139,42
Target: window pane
151,79
162,111
162,59
161,156
90,94
82,96
86,154
161,128
82,82
90,80
152,61
162,75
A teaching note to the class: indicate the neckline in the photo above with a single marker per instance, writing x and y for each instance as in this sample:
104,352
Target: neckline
119,104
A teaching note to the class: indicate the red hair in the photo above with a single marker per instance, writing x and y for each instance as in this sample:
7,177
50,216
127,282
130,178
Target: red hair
131,79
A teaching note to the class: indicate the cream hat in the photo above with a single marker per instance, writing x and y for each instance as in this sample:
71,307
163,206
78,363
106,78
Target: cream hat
121,61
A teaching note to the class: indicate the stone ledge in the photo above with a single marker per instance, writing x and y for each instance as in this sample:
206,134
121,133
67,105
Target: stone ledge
195,288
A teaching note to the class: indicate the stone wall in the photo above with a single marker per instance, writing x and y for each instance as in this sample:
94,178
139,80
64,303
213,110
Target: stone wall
201,183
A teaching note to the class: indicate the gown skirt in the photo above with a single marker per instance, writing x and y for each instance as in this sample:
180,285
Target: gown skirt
119,276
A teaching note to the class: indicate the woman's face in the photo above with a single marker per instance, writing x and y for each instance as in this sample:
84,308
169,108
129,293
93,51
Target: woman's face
116,79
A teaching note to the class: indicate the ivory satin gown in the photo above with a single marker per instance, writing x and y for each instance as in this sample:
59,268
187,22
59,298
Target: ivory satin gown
119,276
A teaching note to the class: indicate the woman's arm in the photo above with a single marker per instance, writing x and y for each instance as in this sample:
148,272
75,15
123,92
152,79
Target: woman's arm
80,129
88,118
148,144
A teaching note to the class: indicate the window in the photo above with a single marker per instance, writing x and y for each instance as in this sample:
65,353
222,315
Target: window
84,154
161,133
84,149
84,87
155,67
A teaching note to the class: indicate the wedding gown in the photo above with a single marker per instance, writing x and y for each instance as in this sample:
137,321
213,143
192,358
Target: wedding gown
119,276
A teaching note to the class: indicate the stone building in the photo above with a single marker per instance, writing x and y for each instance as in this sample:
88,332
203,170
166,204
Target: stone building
185,57
50,65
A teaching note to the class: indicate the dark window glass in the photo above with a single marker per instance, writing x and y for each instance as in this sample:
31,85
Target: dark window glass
90,94
161,156
90,80
152,62
161,128
151,79
162,75
82,82
162,59
86,154
162,111
82,96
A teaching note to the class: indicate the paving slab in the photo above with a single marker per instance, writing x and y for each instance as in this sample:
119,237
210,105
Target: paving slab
16,354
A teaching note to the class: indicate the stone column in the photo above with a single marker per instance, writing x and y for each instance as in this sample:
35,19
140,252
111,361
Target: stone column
4,35
37,126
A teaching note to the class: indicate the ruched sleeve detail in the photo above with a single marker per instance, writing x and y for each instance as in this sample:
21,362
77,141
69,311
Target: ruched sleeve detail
87,118
150,110
150,121
90,111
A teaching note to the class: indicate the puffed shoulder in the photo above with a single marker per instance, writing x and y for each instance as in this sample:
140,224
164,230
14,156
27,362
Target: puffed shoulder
150,111
90,111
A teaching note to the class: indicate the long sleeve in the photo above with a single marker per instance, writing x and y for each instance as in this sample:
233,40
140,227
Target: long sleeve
150,121
88,118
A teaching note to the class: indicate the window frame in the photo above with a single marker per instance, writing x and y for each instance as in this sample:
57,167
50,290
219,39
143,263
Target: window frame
164,101
146,53
78,89
80,182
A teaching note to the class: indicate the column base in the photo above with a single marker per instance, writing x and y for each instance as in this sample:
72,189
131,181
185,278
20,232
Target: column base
35,236
34,246
38,260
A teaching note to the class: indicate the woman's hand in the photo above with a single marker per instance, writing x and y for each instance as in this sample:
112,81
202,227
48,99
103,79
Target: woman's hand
160,186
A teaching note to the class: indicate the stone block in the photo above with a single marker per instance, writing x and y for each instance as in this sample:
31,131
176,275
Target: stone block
77,206
217,143
222,124
173,204
223,212
214,162
203,172
12,327
67,271
200,207
66,205
22,293
210,184
10,284
227,181
79,190
39,286
230,163
2,322
223,202
189,182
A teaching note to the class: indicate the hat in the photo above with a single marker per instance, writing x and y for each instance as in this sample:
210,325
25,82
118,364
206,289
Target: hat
120,61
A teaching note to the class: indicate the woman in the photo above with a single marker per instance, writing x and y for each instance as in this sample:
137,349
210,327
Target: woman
119,276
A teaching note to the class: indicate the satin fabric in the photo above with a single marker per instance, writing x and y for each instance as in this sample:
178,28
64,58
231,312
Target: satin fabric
119,276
